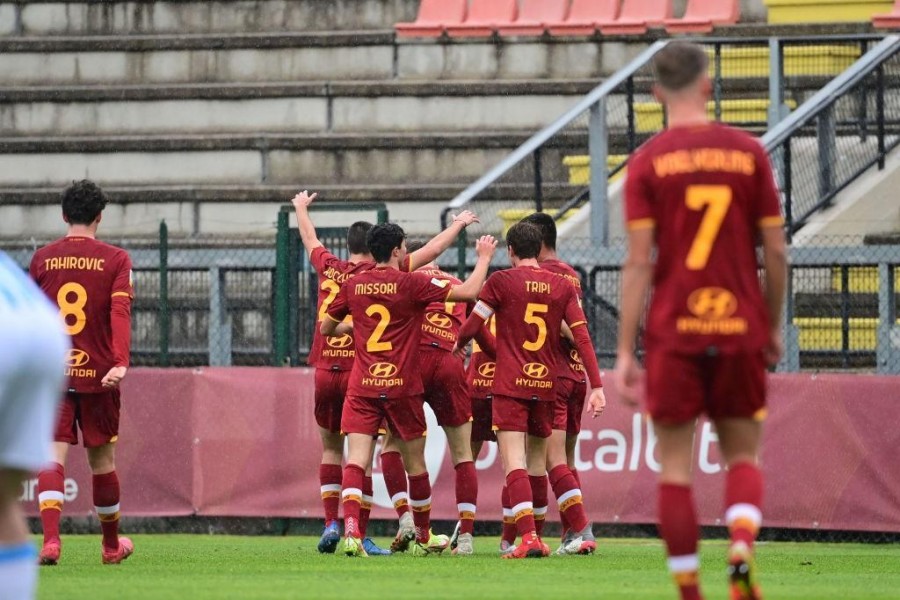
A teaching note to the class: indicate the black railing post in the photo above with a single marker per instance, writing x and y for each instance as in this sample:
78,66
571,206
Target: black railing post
879,109
788,192
538,183
629,99
863,98
845,316
717,81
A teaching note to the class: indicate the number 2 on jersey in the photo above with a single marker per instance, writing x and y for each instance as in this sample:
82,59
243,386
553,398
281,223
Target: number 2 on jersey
332,287
716,199
74,308
532,317
374,343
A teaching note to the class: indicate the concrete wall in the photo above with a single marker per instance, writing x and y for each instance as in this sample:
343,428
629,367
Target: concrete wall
223,16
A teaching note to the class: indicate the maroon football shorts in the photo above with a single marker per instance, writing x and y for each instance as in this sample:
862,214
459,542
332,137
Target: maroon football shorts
405,416
97,415
482,419
569,405
331,387
534,417
446,390
681,387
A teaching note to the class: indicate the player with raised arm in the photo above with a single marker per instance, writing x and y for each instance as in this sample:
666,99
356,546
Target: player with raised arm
578,538
387,307
333,357
530,305
32,358
91,282
702,193
447,392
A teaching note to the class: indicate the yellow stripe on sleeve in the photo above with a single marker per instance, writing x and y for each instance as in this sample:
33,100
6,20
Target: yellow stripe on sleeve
776,221
126,294
638,224
576,324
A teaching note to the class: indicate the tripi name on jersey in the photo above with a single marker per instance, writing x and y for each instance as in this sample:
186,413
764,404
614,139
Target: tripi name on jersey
79,263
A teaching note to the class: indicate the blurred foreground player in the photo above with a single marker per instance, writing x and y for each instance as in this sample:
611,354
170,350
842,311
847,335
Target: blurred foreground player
703,194
32,354
387,307
531,305
91,283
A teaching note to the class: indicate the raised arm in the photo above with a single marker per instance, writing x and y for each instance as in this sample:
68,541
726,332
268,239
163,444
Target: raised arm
308,235
439,243
468,290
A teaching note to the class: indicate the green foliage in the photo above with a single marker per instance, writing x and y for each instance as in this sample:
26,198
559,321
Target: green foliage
203,567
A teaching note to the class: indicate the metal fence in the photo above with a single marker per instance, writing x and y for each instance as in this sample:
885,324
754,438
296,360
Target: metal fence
256,305
757,83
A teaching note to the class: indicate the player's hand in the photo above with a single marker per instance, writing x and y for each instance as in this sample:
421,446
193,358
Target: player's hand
775,348
485,246
596,402
114,377
627,377
303,200
466,217
459,352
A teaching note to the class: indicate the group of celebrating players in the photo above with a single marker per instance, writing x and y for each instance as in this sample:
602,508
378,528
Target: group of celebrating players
393,332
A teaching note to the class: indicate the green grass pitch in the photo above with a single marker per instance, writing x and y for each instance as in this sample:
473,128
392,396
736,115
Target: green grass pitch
200,567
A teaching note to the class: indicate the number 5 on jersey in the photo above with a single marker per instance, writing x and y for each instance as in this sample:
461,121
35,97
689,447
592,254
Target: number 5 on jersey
532,317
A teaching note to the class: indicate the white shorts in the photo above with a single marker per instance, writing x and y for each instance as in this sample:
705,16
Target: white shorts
33,350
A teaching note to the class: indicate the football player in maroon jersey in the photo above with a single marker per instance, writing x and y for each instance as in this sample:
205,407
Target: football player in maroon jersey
702,194
91,282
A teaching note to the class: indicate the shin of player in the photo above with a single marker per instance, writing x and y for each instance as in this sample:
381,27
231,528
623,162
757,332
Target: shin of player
530,306
32,355
710,327
91,282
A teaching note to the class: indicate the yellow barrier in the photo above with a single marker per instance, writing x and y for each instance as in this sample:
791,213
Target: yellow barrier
648,116
825,333
580,167
511,216
798,61
862,280
825,11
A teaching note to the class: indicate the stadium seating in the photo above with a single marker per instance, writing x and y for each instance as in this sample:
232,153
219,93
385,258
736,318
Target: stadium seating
701,15
585,17
433,17
535,16
637,16
889,20
485,17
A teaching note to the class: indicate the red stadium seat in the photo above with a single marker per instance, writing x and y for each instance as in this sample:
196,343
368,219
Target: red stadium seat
535,17
434,16
585,17
637,16
701,15
890,20
485,17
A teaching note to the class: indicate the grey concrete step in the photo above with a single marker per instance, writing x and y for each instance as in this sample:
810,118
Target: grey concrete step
305,56
239,210
252,159
198,16
334,107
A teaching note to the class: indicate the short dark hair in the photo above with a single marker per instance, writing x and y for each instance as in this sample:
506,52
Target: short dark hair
356,237
413,245
384,239
82,202
679,65
524,239
547,225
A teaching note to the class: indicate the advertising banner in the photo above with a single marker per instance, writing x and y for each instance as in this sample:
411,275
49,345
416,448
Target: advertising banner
243,442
